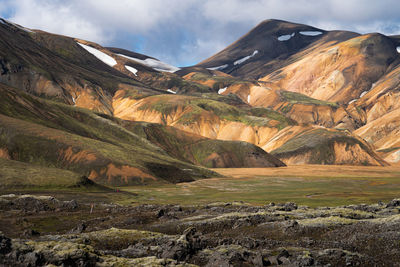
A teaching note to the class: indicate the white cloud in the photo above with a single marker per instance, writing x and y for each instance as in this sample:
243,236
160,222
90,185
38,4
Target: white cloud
179,31
57,17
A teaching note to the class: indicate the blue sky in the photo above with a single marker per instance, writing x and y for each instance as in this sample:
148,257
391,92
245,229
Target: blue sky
184,32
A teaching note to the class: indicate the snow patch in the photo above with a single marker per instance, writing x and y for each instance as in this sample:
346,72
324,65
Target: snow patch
352,101
398,49
310,33
219,67
220,91
2,21
286,37
131,69
372,86
240,61
363,93
153,63
73,100
100,55
248,99
169,90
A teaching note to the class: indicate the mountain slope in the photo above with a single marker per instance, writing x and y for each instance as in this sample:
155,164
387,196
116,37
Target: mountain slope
339,72
261,94
265,128
266,47
56,135
203,151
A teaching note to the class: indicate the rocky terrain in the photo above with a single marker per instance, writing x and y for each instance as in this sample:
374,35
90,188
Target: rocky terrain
35,233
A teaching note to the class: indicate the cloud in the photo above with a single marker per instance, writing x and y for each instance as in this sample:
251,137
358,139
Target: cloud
187,31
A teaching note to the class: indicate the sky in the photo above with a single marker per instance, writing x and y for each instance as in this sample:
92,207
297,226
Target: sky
185,32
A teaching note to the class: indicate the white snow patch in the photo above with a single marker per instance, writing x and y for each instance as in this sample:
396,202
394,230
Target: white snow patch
131,69
398,49
248,99
365,92
100,55
240,61
310,33
2,21
73,100
169,90
286,37
153,63
352,101
220,91
372,86
219,67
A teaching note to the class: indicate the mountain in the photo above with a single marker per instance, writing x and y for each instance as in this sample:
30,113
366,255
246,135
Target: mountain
155,122
268,47
334,79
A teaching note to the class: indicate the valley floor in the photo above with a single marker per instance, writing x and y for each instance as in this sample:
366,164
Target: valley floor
311,185
290,216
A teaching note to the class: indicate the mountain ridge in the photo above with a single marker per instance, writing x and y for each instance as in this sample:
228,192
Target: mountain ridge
228,104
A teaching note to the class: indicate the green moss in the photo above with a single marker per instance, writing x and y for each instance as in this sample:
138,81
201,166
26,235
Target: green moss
15,174
297,98
326,221
198,106
114,239
108,260
320,141
273,115
287,108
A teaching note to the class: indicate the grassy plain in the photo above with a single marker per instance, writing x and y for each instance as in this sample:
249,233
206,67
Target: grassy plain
312,185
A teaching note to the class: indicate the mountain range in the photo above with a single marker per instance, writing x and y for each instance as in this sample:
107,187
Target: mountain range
284,93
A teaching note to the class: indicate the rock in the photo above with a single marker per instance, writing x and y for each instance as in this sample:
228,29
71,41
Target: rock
189,233
283,257
292,224
266,261
30,233
160,213
289,206
258,260
393,203
30,203
177,208
78,229
32,259
71,205
226,256
284,253
305,260
5,244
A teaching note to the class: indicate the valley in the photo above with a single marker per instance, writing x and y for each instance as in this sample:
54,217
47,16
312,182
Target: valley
251,217
311,185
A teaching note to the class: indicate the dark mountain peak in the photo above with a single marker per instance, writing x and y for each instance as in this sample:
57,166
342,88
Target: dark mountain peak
275,25
269,40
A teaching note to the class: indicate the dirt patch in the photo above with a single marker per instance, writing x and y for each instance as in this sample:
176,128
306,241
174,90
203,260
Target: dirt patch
4,153
125,173
70,156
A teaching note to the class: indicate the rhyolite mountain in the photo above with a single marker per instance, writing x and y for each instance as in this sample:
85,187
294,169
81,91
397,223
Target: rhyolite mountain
283,93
